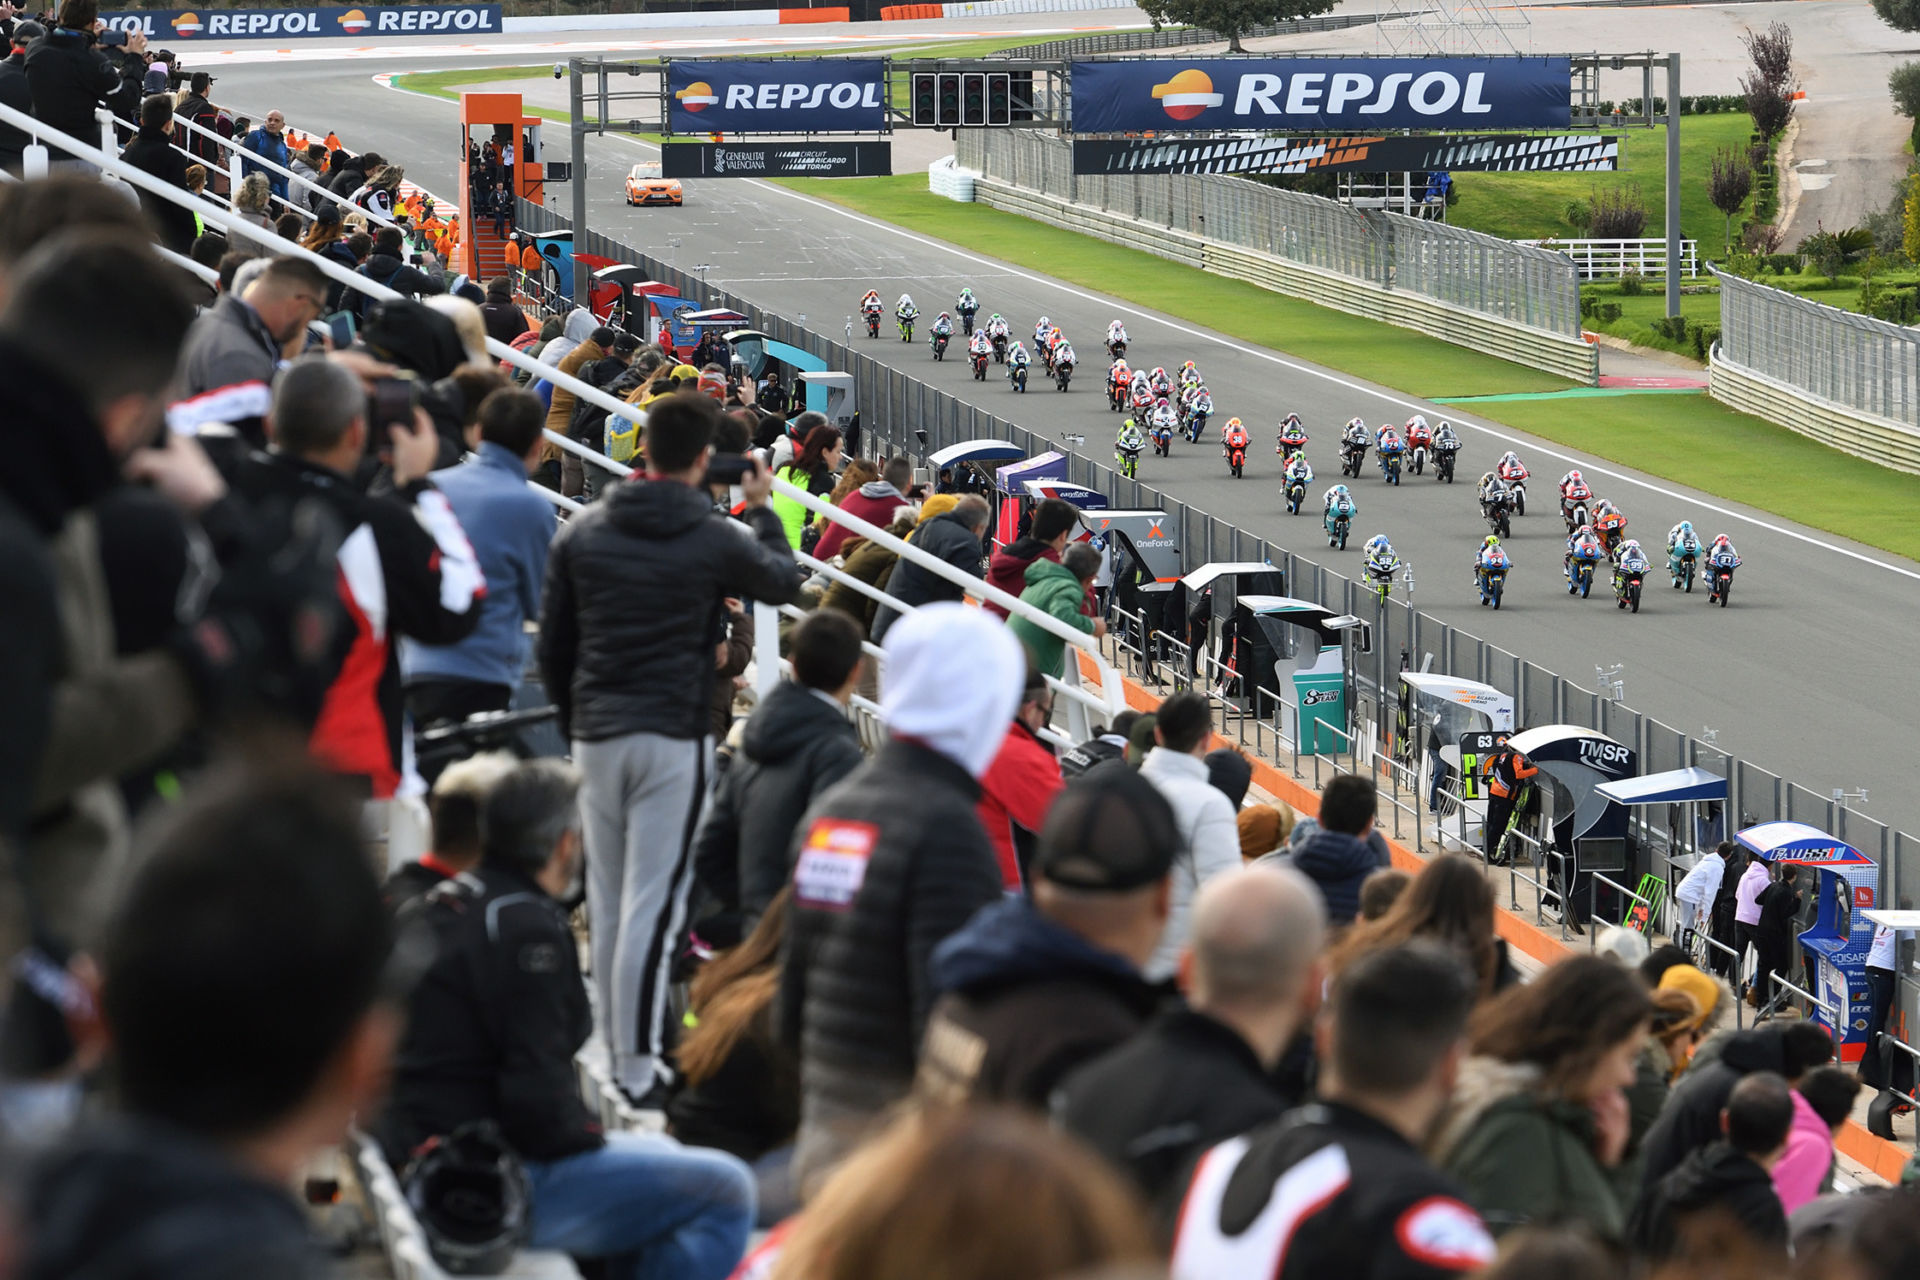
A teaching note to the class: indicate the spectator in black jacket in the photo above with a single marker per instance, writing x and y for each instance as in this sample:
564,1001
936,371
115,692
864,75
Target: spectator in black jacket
70,78
16,93
954,537
1691,1119
258,883
1337,856
1203,1074
1779,906
505,320
388,266
152,152
633,612
196,109
798,742
1725,1183
1031,989
492,1031
890,863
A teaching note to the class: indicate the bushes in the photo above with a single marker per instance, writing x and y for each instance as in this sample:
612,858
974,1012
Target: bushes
1701,338
1632,283
1606,312
1618,213
1705,104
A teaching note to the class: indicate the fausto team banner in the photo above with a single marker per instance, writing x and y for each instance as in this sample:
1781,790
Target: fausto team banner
743,95
170,25
1335,94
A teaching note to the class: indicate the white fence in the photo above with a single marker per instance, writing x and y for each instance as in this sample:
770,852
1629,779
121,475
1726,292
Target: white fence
1607,259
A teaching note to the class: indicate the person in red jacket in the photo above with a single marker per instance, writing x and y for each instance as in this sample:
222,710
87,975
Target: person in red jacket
1054,521
875,502
1019,786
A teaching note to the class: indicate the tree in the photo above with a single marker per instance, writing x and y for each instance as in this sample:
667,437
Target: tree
1904,85
1901,15
1618,213
1771,52
1232,18
1729,182
1910,241
1770,105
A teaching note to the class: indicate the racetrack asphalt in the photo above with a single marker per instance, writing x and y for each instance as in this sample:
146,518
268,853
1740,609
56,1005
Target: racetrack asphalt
1801,676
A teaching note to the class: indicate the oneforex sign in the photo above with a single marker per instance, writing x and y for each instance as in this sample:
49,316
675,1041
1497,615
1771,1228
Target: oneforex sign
1363,95
820,95
267,24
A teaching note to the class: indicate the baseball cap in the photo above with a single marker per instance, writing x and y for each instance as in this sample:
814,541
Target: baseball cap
1109,831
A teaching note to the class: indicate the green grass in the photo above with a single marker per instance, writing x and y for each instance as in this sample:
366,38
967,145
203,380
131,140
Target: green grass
1532,206
1381,353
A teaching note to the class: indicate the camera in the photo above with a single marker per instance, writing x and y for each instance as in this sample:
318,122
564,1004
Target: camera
559,70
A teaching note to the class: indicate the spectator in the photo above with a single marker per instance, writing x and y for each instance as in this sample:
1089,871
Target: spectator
1773,945
152,152
196,109
257,882
1205,1073
158,67
1336,856
15,92
1031,989
1230,773
505,319
740,1086
890,863
1687,1005
812,469
597,346
1379,892
876,502
872,563
407,570
511,528
1369,1204
1753,882
1054,522
454,806
1182,731
633,610
1554,1253
773,397
1885,1241
327,237
969,1194
1449,902
254,200
71,77
1691,1118
953,537
1020,785
380,194
492,1031
1059,589
387,266
1696,893
231,353
269,144
1727,1179
1102,747
346,174
1263,828
1821,1105
788,442
1726,905
1540,1120
798,743
307,163
288,227
500,209
857,472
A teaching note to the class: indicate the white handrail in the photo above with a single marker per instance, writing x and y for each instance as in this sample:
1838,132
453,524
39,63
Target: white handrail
250,157
187,264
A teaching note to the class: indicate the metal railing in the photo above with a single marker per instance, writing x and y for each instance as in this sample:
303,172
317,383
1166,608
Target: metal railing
1480,273
1606,259
1781,987
1888,1039
1555,884
1851,360
1176,38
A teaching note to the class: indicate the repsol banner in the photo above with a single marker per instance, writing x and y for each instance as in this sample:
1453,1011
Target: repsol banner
167,25
740,95
777,160
1498,153
1359,95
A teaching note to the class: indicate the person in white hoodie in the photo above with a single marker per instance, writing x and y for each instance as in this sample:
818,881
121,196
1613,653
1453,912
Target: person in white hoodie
1696,892
1183,731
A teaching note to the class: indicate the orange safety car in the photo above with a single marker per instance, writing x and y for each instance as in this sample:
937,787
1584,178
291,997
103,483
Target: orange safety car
645,186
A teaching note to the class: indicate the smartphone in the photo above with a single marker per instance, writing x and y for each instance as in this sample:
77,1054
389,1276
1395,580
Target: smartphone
391,404
728,469
112,38
341,327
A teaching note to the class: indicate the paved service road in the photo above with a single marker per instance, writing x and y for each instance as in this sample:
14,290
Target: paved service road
1802,676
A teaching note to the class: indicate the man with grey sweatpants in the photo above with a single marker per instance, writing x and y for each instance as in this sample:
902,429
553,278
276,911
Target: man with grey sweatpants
633,618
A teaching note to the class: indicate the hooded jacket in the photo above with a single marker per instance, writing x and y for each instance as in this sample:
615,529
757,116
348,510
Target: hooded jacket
1691,1119
1337,863
384,268
1016,791
1152,1105
131,1198
195,108
1007,569
634,606
1803,1168
1713,1180
1025,1001
798,742
560,408
875,502
1525,1157
70,78
1209,833
947,537
1051,587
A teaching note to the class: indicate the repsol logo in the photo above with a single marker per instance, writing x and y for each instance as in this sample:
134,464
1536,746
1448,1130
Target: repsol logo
477,18
774,96
1356,92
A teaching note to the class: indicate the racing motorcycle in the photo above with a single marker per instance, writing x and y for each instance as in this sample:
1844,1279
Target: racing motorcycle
906,330
939,344
1116,395
1337,530
873,323
1162,436
1575,516
1493,584
979,366
1497,516
1237,459
1196,426
1582,580
1129,461
1115,349
1296,493
1390,465
1443,461
1352,458
966,321
1380,582
1017,375
1062,373
1688,558
1518,488
1719,583
1626,588
1417,459
999,348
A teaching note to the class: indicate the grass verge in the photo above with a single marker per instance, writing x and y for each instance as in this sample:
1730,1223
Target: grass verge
1689,439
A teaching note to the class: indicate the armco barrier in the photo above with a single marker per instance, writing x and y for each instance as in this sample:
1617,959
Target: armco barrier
642,21
1876,439
1536,348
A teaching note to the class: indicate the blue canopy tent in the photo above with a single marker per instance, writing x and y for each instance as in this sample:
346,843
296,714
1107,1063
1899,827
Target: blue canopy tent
1692,787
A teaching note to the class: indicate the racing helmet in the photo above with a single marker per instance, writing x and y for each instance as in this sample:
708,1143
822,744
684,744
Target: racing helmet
966,293
1603,507
945,316
1356,423
1509,456
1722,540
1492,543
1161,403
1339,491
1685,529
1445,428
1378,546
1044,323
1233,424
906,300
470,1194
1574,477
1418,420
1583,533
1630,545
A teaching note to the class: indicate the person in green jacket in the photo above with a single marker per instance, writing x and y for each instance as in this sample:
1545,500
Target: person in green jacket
1539,1120
1058,589
813,470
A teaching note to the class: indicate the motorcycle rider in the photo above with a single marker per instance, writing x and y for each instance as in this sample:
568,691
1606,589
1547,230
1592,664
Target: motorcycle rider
1162,385
1721,554
1041,329
1199,409
979,344
967,305
1162,418
1292,438
1388,446
1681,539
1492,489
1444,438
1129,440
870,306
1189,375
1119,378
943,325
1418,422
1232,436
1419,434
1354,438
1381,560
1062,356
1511,468
1017,358
1340,502
1632,560
905,312
997,326
1116,332
1299,472
1489,557
1582,547
1609,522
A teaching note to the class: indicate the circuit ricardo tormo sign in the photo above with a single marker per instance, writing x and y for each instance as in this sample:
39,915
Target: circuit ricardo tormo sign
1362,95
744,95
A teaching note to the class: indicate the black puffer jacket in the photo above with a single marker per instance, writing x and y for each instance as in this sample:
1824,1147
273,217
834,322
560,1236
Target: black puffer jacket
944,536
634,607
796,745
152,152
1691,1119
69,78
899,862
1715,1180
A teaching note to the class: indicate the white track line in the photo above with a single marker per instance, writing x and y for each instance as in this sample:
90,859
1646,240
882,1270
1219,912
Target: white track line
1510,438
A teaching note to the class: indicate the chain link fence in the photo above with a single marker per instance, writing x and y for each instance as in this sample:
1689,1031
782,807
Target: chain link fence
1466,269
1852,360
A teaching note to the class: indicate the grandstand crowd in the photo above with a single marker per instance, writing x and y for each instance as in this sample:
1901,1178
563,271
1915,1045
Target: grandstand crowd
945,998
